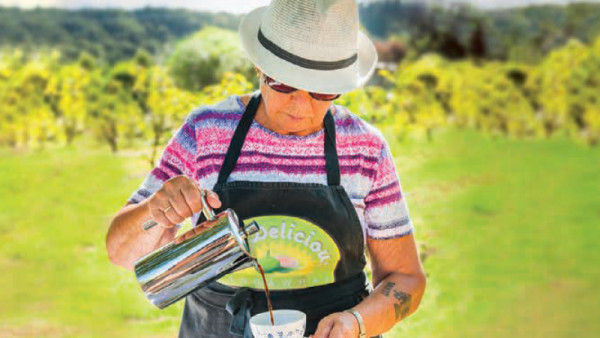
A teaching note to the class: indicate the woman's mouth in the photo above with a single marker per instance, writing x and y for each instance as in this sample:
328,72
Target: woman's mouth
294,118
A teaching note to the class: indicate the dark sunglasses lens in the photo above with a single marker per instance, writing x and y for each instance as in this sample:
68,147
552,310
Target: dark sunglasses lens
282,88
324,97
278,86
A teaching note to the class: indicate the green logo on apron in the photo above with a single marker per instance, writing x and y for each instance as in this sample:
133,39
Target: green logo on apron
293,252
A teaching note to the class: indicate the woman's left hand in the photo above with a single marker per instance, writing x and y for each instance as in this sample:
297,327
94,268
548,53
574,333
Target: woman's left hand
337,325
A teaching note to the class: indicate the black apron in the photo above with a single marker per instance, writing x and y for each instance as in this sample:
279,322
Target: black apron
218,310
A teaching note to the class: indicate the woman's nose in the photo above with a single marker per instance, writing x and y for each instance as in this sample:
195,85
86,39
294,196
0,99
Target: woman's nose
301,97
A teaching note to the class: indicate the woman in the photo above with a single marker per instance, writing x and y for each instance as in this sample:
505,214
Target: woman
320,181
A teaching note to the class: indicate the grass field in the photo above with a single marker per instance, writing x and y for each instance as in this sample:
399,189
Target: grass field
508,230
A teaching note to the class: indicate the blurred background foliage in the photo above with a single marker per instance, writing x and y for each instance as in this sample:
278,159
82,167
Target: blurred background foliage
110,35
44,98
493,117
203,58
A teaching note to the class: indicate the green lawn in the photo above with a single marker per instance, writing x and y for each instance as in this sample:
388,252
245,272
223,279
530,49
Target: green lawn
509,230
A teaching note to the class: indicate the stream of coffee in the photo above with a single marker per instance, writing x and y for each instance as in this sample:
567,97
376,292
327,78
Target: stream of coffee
262,274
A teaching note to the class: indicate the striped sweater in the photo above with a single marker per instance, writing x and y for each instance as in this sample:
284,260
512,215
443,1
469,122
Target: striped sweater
368,175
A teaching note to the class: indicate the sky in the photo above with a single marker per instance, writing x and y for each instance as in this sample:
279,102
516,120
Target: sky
233,6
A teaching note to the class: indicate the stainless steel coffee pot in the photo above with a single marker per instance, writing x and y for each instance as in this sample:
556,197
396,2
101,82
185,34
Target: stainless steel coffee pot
186,264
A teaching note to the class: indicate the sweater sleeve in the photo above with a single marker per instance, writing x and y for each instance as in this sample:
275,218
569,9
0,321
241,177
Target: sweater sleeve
386,211
177,159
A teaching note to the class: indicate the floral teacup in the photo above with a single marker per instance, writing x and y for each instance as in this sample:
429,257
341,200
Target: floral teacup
288,324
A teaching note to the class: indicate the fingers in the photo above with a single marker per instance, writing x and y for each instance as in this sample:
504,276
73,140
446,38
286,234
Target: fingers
173,214
176,210
157,203
324,327
338,332
192,197
213,199
336,325
178,199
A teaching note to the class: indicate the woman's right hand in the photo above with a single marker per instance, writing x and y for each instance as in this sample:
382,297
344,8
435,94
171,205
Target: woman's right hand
178,199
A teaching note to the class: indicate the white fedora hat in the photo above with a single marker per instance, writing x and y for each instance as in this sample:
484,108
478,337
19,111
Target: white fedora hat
313,45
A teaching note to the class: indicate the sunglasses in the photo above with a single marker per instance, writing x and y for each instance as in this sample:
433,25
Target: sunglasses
282,88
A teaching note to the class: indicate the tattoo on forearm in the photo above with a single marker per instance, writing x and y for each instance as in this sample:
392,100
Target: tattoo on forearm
404,306
403,298
387,288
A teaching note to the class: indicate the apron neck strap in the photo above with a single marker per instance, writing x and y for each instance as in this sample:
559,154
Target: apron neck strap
239,136
331,157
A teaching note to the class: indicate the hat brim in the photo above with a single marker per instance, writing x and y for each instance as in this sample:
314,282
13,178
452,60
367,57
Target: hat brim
320,81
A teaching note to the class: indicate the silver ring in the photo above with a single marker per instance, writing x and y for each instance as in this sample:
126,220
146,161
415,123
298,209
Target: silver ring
167,209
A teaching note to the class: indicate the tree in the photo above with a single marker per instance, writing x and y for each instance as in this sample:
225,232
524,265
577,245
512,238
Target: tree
203,58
